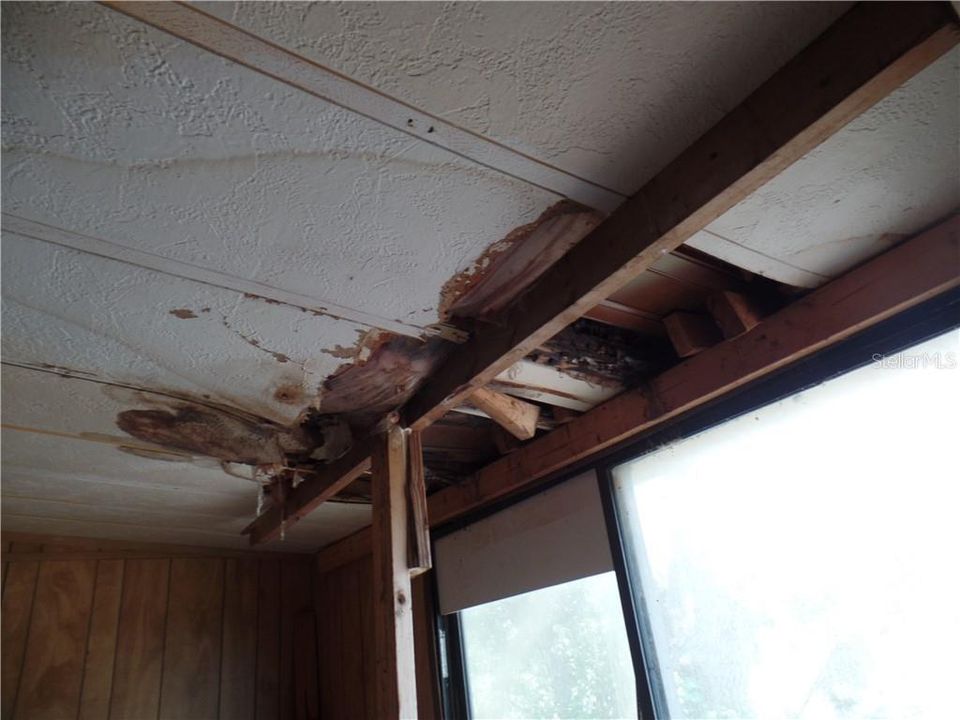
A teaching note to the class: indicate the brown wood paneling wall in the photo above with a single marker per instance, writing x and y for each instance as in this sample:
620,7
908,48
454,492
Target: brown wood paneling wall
344,604
102,630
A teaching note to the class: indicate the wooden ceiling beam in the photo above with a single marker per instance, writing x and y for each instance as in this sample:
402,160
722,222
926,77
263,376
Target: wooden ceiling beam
869,52
310,494
917,270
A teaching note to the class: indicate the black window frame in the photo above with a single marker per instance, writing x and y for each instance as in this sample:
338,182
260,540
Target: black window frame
906,329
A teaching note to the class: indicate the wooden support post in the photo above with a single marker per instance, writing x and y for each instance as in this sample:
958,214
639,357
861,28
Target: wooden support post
517,417
395,673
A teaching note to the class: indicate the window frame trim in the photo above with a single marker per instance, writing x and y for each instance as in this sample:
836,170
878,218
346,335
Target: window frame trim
899,332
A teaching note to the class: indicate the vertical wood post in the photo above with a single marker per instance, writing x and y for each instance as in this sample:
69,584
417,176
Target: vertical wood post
396,684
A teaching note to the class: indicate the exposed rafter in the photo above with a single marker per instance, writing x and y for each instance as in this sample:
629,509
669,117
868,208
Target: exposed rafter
870,51
918,270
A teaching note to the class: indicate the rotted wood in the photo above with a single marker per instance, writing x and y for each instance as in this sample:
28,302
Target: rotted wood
869,52
901,278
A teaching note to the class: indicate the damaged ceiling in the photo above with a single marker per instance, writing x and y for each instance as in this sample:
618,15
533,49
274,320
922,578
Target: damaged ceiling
212,277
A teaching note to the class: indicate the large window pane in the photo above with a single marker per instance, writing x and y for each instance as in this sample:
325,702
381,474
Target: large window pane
802,560
559,652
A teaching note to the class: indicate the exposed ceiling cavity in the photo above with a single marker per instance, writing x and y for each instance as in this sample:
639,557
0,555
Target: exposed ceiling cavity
212,277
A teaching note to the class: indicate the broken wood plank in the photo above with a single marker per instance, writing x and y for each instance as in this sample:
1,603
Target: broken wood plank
866,54
733,313
869,52
905,276
395,683
515,416
915,271
690,333
309,494
419,554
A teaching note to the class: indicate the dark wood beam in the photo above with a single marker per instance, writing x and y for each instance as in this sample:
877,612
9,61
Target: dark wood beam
901,278
309,494
395,682
870,51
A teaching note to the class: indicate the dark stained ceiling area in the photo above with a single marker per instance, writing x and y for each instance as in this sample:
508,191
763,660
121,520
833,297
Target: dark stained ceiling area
238,236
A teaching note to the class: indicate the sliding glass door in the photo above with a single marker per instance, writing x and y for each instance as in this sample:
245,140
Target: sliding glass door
801,560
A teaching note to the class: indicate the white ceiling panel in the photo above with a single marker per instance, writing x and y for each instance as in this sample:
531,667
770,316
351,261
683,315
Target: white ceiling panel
609,91
115,130
120,323
885,176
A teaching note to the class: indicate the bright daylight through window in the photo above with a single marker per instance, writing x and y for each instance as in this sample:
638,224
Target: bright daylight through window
559,652
801,560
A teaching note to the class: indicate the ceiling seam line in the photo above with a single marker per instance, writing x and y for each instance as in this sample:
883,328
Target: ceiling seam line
563,183
72,240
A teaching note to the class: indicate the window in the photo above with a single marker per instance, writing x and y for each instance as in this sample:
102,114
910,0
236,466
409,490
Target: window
541,625
558,652
801,560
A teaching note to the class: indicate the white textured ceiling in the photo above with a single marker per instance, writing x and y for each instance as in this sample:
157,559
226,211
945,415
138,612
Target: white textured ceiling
114,131
609,91
885,176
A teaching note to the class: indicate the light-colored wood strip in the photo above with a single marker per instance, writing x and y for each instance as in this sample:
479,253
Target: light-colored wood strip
395,685
56,645
102,641
420,559
138,665
515,416
18,593
268,641
238,672
191,656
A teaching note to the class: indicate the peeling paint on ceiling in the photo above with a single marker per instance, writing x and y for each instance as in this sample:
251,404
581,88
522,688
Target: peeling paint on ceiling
272,259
